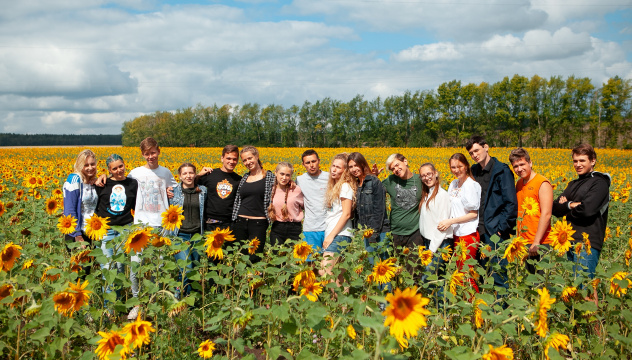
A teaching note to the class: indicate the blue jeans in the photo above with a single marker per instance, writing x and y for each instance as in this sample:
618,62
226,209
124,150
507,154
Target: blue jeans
336,247
188,255
109,252
584,261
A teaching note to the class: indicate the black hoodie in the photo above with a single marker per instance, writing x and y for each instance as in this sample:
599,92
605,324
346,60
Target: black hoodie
593,191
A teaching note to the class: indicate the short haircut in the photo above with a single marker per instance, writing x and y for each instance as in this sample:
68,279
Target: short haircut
309,152
585,149
517,154
148,143
392,158
475,140
230,149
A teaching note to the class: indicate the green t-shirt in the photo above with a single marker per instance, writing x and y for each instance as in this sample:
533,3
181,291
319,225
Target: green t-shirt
405,197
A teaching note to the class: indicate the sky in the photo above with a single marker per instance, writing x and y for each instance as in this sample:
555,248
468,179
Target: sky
87,66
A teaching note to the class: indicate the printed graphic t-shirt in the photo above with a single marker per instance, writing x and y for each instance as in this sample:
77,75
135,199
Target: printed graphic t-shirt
405,197
222,189
116,201
151,198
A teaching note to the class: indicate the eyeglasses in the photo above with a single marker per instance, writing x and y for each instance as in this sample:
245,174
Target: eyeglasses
426,175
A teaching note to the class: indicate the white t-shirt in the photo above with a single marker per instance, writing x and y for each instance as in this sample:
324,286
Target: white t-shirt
430,217
151,199
314,188
334,213
462,201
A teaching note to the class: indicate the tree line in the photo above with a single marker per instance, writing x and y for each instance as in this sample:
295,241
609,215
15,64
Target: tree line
517,111
57,140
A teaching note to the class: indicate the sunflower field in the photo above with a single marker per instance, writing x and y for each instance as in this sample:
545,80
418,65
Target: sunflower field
53,303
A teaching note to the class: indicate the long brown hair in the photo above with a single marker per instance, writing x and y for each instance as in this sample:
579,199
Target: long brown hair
360,161
461,158
284,210
425,190
195,179
334,187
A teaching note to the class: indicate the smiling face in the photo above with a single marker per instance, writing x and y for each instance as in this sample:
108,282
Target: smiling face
583,164
428,176
151,156
522,168
250,160
312,164
355,170
117,169
400,168
187,175
90,167
229,161
458,169
283,175
480,154
337,169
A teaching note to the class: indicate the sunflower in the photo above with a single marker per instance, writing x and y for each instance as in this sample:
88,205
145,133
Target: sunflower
108,343
406,314
530,206
384,271
9,254
160,241
2,208
138,332
67,224
586,242
215,240
6,290
543,306
569,293
206,349
446,253
615,283
172,217
57,194
253,245
425,256
176,308
302,251
303,276
64,303
52,206
628,255
311,289
31,182
351,332
47,276
82,296
561,236
478,312
456,280
368,233
81,257
97,227
461,247
499,353
516,250
137,241
555,341
487,249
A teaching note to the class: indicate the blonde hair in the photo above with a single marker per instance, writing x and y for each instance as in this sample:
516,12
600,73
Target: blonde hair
81,162
284,210
335,186
253,150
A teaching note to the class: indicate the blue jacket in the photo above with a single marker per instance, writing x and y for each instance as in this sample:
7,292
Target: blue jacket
73,193
178,199
370,208
501,205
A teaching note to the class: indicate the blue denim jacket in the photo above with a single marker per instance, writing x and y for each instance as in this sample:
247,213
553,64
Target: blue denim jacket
178,199
370,208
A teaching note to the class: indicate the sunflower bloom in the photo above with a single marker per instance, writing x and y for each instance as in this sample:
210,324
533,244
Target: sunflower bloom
253,245
81,257
172,217
160,241
303,276
2,208
302,250
97,227
82,296
446,253
6,290
52,206
67,224
530,206
27,264
425,256
137,241
311,289
206,349
214,242
544,305
499,353
478,312
31,182
47,276
615,281
586,241
569,293
108,343
351,332
64,303
384,271
456,280
138,332
9,254
628,255
517,249
462,249
485,250
406,314
555,341
561,236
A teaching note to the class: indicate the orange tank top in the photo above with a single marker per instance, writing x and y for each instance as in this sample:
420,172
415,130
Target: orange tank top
527,196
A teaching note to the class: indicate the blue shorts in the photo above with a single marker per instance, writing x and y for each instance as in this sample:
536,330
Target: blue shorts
315,239
335,246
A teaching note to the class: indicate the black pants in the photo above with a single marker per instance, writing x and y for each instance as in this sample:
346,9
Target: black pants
247,229
282,231
222,225
411,242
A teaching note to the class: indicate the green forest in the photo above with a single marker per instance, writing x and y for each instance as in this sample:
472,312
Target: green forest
58,140
517,111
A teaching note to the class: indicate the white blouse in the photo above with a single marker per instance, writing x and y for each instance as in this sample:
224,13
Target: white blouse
430,217
463,200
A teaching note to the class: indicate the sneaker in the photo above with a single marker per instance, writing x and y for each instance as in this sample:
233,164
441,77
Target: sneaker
133,314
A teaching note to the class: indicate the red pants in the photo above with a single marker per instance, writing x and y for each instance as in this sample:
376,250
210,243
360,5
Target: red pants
471,241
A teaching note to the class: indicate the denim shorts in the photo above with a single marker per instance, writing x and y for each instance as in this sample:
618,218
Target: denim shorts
336,246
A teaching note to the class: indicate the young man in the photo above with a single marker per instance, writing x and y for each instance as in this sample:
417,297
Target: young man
314,185
535,203
151,199
222,186
585,203
499,206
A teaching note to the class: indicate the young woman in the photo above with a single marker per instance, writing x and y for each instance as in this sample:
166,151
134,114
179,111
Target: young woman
191,197
80,195
339,200
286,207
250,215
116,200
370,211
465,197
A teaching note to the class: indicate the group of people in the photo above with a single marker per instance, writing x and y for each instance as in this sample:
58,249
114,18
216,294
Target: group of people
326,207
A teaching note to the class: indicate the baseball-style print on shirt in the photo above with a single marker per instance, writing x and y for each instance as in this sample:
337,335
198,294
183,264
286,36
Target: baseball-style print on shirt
224,189
118,199
406,198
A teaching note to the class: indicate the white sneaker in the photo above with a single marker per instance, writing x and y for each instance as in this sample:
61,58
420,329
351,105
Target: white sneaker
133,314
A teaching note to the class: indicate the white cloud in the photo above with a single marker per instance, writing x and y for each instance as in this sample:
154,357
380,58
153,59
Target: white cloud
429,52
539,45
